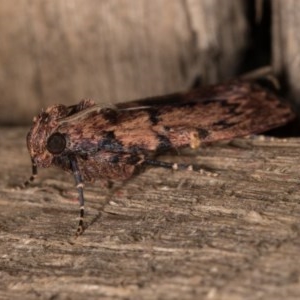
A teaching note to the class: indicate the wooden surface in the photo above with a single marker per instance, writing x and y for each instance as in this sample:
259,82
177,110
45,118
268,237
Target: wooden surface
62,51
286,46
162,235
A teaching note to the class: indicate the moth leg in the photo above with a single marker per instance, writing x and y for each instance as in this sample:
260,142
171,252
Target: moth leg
33,174
176,166
79,186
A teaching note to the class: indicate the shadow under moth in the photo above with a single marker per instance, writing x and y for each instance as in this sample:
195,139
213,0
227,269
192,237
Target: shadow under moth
93,142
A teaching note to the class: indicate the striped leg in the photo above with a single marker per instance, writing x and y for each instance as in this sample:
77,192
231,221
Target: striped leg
33,174
79,186
176,166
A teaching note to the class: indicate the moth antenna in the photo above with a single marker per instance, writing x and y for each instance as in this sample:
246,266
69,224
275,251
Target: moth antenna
176,166
79,186
33,174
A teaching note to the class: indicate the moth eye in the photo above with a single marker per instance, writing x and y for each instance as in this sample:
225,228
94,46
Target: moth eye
56,143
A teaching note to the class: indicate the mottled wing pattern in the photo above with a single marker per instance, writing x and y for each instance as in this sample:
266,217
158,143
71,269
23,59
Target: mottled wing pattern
189,119
110,143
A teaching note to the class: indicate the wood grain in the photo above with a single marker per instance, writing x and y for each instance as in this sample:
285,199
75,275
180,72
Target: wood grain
60,52
162,235
285,44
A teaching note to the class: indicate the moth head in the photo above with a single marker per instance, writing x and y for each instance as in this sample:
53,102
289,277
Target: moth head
43,140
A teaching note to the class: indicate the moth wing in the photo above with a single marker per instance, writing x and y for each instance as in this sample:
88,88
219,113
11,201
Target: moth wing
203,115
154,125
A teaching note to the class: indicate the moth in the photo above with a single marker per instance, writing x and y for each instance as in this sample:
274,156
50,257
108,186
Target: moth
113,143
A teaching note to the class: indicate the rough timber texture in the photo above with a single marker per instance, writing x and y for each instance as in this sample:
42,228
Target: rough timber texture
162,235
61,51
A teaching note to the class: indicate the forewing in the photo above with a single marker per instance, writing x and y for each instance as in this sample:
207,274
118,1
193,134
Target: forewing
204,115
184,119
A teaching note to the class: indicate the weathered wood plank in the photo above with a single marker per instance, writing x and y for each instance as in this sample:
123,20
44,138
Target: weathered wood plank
285,44
59,52
162,235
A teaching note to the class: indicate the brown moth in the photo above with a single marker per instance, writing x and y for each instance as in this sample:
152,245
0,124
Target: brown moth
93,142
